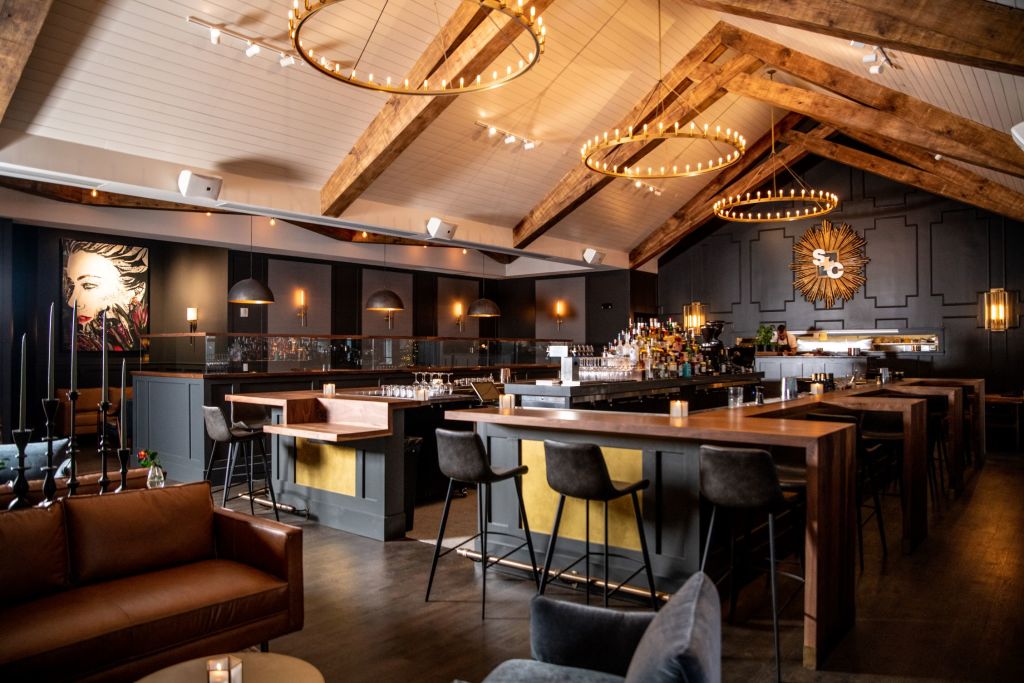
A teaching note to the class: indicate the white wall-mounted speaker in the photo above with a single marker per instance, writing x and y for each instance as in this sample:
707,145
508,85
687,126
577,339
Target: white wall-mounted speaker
438,229
1018,134
193,184
593,256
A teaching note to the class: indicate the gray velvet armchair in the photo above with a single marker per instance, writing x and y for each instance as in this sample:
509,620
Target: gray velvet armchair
575,644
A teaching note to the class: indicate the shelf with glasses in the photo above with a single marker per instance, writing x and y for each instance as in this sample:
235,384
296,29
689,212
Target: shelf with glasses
227,353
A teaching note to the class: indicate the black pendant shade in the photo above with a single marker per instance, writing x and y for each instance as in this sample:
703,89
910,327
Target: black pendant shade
483,308
250,291
384,300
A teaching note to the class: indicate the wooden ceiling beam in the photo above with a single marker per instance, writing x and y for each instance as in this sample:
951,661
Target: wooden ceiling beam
1004,202
973,32
580,183
699,209
993,150
78,195
478,43
993,147
20,23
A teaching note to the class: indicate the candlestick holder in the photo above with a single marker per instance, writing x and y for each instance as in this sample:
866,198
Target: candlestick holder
49,481
104,480
73,445
21,439
123,456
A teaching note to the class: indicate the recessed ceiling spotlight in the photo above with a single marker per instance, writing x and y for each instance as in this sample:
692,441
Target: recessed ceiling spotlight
273,222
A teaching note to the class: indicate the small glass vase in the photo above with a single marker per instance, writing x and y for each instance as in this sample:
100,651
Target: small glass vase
155,478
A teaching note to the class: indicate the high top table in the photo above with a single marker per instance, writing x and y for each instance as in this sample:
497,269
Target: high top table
664,450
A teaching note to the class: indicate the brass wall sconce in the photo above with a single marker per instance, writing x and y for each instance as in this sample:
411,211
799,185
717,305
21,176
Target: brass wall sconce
998,310
559,313
460,318
192,318
303,309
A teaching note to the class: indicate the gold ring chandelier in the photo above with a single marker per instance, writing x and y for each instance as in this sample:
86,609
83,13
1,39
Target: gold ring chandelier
607,143
741,208
533,25
817,203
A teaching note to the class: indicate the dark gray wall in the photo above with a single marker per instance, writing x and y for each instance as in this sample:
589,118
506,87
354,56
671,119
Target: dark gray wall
930,258
286,277
184,275
450,290
572,291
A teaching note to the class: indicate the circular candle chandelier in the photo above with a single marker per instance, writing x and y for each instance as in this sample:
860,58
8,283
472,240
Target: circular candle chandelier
805,203
525,15
641,132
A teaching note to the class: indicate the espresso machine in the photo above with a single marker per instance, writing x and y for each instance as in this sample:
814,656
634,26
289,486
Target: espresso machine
711,346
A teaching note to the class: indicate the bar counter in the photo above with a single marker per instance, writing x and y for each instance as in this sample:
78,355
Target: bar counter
591,392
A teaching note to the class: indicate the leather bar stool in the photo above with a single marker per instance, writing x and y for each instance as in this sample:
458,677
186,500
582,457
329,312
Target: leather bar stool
247,416
868,476
578,470
218,430
745,479
462,458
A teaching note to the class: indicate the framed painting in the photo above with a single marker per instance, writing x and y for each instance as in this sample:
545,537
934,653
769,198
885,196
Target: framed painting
101,276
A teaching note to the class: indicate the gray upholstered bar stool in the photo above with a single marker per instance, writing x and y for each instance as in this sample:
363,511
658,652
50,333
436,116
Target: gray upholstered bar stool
578,470
247,416
462,458
746,479
218,430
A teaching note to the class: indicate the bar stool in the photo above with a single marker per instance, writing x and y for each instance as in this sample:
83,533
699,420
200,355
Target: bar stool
218,430
578,470
744,478
867,469
937,434
247,416
462,457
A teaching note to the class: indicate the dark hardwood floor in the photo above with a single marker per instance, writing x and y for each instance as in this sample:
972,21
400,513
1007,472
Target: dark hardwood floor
951,611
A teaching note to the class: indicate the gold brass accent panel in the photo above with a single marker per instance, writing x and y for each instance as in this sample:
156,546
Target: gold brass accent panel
325,466
624,464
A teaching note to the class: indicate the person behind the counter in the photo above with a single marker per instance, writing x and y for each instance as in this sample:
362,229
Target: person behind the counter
786,340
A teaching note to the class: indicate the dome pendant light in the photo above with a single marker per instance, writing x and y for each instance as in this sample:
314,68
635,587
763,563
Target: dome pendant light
250,290
385,300
483,307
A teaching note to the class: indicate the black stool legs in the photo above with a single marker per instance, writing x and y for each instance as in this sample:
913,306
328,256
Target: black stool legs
483,498
546,577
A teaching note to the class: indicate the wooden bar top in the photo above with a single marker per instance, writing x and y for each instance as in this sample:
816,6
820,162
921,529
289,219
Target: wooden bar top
714,425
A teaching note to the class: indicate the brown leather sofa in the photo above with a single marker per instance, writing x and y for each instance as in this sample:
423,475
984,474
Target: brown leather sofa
87,483
87,414
113,587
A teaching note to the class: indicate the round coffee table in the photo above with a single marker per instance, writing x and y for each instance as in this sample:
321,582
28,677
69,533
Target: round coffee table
257,667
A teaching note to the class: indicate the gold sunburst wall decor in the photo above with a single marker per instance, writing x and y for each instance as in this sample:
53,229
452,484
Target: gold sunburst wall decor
829,263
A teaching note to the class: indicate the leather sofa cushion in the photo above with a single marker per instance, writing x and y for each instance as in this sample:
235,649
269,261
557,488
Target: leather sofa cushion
33,553
105,624
139,531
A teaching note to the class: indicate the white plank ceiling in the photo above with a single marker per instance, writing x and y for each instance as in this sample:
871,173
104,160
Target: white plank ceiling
132,76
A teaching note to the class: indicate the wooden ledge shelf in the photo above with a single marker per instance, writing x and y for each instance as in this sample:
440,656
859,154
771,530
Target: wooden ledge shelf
330,432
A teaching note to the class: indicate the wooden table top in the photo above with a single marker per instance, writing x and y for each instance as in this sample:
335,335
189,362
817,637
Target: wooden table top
715,425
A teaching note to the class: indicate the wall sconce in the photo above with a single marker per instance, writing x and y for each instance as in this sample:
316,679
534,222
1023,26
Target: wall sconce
303,308
998,310
460,319
192,318
694,316
559,313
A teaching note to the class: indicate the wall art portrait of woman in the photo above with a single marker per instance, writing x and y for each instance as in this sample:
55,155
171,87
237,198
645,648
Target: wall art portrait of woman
111,277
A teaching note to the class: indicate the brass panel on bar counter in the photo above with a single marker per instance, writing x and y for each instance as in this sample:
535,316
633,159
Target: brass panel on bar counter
325,466
540,501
